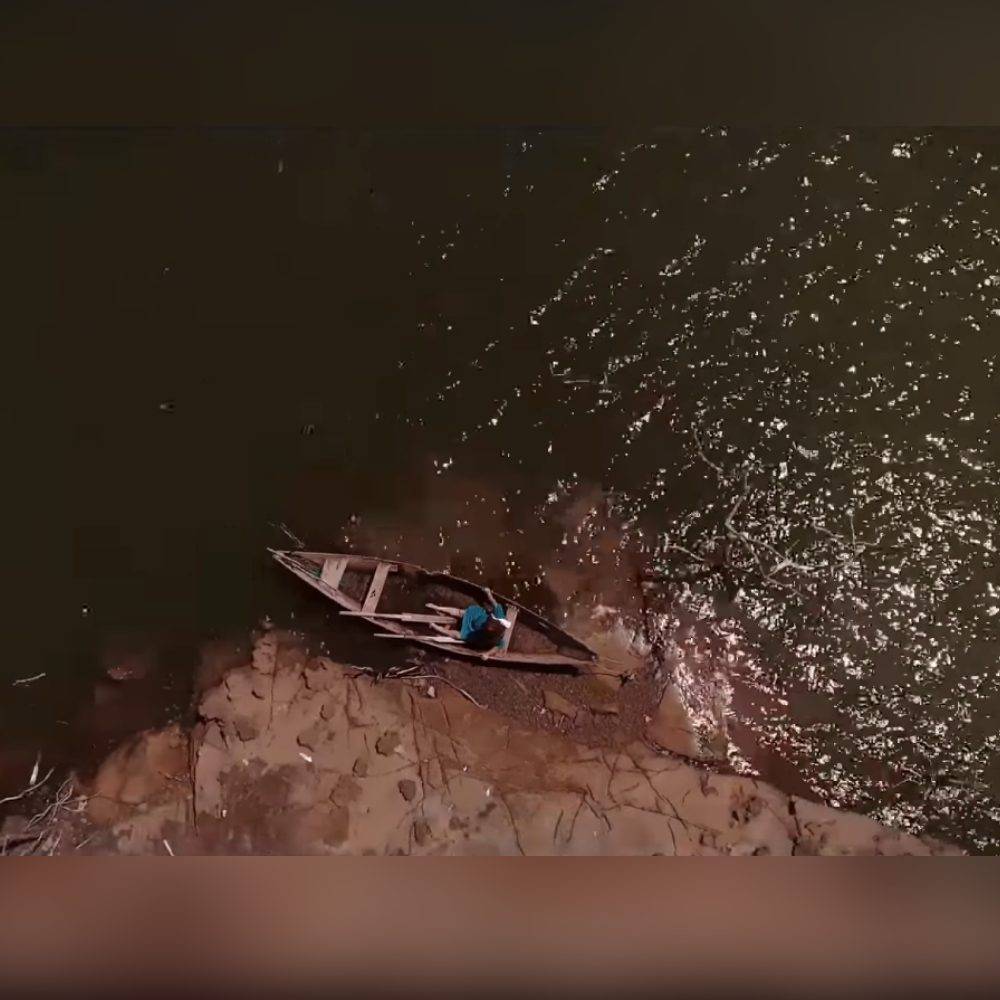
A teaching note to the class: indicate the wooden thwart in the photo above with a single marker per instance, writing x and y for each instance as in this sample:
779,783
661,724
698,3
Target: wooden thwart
375,590
333,572
512,618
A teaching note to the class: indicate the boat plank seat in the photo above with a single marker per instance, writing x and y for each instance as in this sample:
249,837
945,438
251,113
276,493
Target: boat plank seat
375,588
405,616
508,633
424,638
333,572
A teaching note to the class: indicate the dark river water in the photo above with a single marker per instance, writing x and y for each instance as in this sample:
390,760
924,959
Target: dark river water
522,354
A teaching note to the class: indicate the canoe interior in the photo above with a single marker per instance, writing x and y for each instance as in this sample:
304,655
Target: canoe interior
410,588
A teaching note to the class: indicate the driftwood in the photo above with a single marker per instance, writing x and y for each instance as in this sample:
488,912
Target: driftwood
63,795
288,533
29,789
444,680
27,680
42,833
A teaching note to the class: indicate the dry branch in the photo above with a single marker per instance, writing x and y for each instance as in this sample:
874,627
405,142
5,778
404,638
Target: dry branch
29,789
438,677
27,680
719,471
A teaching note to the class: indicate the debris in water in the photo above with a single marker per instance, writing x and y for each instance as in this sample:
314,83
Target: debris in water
28,680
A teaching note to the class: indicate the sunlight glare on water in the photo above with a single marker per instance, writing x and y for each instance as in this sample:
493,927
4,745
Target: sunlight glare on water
821,311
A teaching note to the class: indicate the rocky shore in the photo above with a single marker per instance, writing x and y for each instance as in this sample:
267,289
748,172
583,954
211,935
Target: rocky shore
293,753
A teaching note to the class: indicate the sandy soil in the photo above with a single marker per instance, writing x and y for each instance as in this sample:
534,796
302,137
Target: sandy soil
294,753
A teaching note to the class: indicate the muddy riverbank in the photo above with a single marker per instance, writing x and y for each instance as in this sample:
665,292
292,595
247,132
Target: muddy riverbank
292,752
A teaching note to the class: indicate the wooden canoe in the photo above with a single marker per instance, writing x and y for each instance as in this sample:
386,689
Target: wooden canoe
395,596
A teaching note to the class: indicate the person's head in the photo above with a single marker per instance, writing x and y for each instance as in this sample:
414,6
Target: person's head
494,627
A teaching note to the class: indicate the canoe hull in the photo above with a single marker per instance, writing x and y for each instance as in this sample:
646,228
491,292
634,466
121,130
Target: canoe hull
385,592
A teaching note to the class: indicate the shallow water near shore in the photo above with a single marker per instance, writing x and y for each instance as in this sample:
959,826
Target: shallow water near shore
491,351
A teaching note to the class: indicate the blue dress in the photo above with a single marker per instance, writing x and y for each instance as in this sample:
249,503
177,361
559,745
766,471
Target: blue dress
475,617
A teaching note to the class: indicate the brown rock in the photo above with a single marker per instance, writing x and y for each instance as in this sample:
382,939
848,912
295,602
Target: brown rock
670,727
140,772
261,686
337,826
211,735
265,652
291,656
618,657
603,707
494,786
287,682
311,738
237,688
246,730
321,674
333,705
555,702
345,790
105,812
598,697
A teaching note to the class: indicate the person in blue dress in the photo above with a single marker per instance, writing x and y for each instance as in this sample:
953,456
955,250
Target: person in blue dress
482,626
